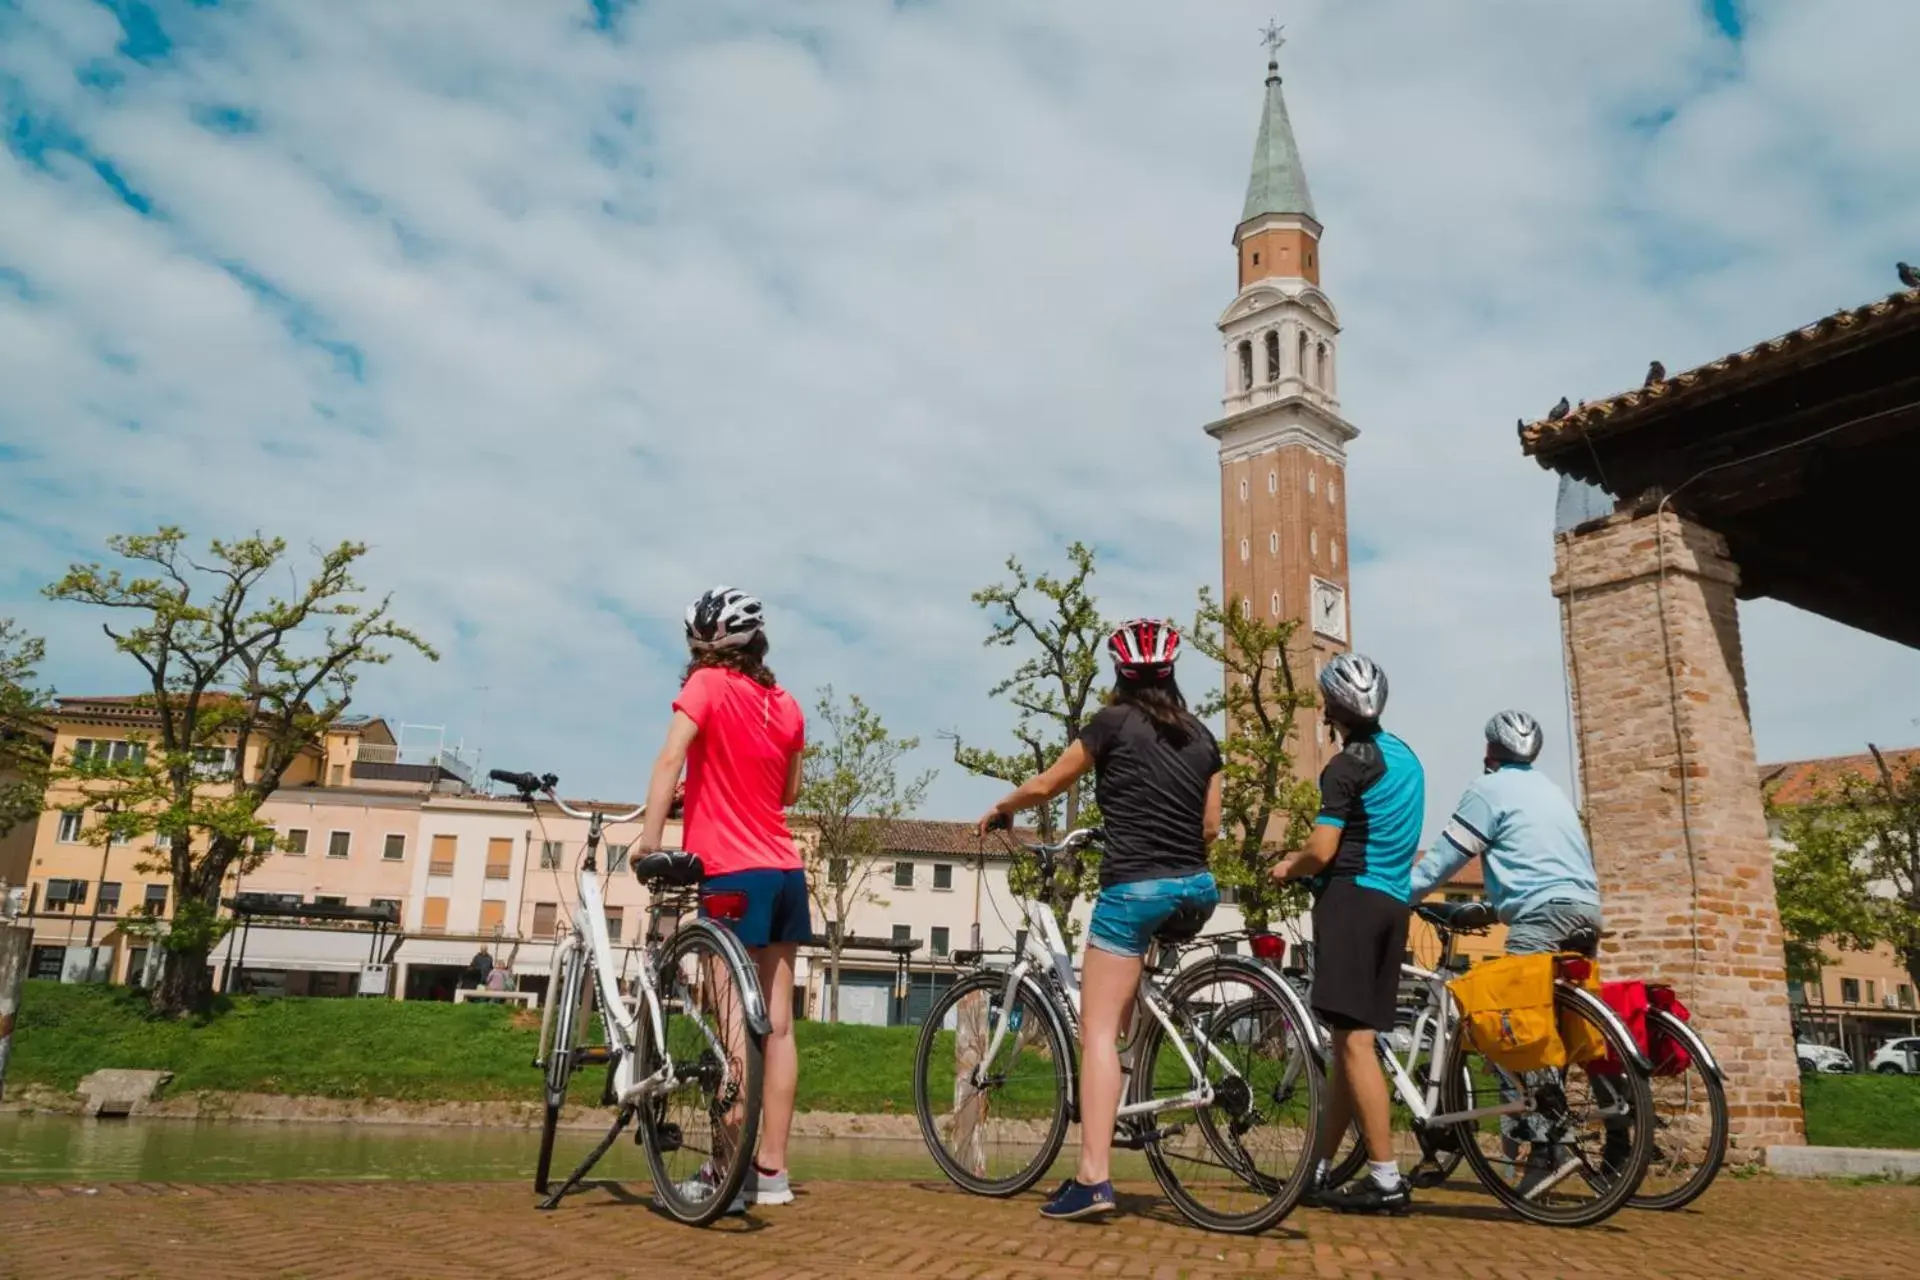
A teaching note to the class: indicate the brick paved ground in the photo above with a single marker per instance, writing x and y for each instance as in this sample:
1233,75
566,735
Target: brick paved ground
1762,1227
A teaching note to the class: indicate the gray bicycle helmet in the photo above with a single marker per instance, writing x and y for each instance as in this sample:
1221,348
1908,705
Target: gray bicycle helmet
1354,686
723,618
1515,736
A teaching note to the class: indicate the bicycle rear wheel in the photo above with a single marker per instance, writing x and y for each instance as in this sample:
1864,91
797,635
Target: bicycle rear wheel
1240,1163
1689,1120
1576,1154
994,1127
569,993
700,1131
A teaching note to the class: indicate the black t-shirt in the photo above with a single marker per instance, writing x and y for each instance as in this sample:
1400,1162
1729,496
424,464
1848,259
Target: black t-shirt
1152,794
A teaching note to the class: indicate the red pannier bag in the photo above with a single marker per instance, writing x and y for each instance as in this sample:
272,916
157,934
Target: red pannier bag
1628,1000
1669,1055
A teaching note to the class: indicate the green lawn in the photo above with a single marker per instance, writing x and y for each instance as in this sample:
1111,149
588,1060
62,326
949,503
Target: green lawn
417,1051
1862,1111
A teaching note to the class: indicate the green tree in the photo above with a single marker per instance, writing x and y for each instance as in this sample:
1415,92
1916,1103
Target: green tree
227,664
1264,809
850,791
23,731
1054,623
1852,874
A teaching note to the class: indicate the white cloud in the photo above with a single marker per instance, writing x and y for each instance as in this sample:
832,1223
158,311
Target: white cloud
844,309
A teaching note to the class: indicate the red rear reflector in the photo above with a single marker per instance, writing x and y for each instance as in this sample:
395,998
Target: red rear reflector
1576,969
725,906
1269,946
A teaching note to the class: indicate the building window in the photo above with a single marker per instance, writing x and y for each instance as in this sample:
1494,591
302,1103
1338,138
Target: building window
294,842
1243,488
1311,481
837,870
1320,370
337,776
903,875
493,916
544,914
433,917
1246,366
339,843
549,855
329,900
939,940
1849,987
109,899
162,842
1273,356
1333,492
1313,543
1333,549
1245,551
214,762
616,920
1274,604
440,855
1273,482
1246,608
1870,991
156,901
108,751
73,892
499,858
616,857
394,849
1905,996
71,823
901,933
943,875
1300,358
1273,543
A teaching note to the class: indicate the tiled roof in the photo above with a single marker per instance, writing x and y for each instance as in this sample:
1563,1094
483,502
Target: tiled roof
1728,372
1798,782
914,835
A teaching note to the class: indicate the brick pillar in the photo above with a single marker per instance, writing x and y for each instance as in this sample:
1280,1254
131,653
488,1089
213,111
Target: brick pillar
1666,750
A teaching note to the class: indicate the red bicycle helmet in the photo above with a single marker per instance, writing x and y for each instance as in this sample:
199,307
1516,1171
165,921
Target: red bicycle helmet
1144,649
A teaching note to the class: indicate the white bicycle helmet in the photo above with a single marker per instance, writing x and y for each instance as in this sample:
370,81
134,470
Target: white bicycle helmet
1355,686
1515,736
723,618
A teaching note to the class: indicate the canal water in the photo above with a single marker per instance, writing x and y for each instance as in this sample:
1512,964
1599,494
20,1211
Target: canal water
64,1149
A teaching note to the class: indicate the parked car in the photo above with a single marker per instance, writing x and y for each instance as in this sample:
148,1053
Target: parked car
1823,1058
1897,1057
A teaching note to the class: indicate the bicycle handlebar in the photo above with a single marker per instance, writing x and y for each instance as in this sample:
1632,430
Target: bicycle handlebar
529,785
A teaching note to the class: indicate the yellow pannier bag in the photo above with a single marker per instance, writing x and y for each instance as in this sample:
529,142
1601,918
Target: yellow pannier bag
1507,1009
1584,1042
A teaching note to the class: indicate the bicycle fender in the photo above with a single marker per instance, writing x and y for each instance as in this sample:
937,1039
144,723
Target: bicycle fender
1604,1013
1296,1004
1685,1033
756,1000
1031,985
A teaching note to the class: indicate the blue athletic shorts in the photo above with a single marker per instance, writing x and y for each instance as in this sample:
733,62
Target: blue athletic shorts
1126,916
761,907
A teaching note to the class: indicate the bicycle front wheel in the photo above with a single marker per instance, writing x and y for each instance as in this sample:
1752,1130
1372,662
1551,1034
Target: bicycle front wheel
700,1129
1689,1121
994,1127
1239,1162
1576,1150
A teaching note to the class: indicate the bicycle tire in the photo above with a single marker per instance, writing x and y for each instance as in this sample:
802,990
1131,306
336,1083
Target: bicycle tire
560,1061
1718,1131
990,984
1624,1182
708,951
1281,1196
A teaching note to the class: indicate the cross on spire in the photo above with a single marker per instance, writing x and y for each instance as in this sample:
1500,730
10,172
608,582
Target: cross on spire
1271,36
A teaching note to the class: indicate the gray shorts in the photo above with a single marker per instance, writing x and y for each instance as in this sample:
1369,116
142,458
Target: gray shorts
1547,926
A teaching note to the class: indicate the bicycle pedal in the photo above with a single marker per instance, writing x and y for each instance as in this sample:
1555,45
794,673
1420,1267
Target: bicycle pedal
1425,1179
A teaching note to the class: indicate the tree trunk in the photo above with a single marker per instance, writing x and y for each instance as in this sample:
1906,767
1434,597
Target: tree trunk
186,976
833,982
186,983
969,1145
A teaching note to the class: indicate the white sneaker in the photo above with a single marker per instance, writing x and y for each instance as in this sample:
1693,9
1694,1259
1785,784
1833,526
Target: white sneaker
701,1186
767,1188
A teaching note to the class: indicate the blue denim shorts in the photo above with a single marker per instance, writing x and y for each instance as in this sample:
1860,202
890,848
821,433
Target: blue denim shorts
761,907
1126,916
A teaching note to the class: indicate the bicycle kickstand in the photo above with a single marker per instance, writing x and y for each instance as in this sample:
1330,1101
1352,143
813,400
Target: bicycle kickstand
593,1157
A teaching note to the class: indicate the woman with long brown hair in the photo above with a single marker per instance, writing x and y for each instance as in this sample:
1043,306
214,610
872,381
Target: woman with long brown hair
1156,772
740,738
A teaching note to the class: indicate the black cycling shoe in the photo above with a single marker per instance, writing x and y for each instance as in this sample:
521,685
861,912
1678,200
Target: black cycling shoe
1318,1194
1367,1196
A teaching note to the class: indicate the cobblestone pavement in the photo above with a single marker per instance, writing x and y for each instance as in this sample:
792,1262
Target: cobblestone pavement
1758,1227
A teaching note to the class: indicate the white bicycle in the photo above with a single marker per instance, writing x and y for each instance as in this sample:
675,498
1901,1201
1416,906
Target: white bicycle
685,1061
1225,1077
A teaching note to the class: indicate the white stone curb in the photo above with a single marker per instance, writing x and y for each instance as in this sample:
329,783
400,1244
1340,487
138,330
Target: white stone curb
1843,1162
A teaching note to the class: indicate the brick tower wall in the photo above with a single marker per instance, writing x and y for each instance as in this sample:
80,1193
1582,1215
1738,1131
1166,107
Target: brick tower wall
1665,748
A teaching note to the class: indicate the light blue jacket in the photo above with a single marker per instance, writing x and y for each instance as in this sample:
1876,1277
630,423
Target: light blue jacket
1529,840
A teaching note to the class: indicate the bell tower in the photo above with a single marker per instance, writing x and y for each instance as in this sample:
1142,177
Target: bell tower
1283,457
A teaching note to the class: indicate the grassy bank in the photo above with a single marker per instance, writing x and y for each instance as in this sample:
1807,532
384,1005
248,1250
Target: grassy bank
383,1049
1862,1111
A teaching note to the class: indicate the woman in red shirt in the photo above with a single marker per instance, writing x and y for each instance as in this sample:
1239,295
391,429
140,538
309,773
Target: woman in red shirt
741,737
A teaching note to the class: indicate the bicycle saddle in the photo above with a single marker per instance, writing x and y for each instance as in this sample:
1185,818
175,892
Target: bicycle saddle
1458,917
1184,925
672,867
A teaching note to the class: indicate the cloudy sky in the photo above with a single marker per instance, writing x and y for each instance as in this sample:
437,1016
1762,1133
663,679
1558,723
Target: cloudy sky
571,309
